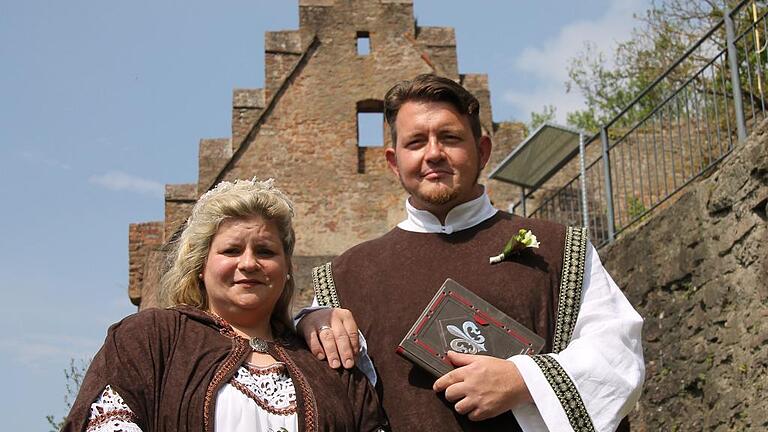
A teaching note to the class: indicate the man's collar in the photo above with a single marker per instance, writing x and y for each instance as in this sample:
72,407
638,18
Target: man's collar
461,217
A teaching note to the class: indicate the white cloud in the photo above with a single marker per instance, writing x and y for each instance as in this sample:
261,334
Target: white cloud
120,181
37,350
546,94
547,62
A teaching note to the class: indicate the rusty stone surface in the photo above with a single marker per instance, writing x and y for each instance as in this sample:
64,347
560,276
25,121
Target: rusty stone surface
142,238
213,154
154,269
247,106
302,128
698,273
506,136
179,200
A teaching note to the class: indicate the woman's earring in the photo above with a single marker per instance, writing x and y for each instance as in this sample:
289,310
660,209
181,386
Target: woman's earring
200,276
287,277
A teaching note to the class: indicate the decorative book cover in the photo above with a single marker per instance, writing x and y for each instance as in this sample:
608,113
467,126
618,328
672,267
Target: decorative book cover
459,320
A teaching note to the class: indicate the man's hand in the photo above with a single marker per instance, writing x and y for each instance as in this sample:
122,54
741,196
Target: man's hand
331,334
482,386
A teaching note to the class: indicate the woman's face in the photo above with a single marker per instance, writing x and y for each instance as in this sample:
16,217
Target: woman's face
246,269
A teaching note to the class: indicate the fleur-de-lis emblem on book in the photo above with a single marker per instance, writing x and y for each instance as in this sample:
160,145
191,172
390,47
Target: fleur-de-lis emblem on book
469,339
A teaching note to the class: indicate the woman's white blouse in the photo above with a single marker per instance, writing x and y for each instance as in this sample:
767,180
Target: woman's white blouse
255,399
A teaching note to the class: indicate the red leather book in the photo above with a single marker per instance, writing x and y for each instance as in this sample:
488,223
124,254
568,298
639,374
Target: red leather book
457,319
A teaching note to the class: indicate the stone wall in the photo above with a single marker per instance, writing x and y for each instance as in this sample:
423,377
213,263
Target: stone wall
143,238
698,273
301,128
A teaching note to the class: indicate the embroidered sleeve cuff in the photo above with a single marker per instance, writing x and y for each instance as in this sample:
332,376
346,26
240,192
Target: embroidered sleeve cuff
325,288
110,413
559,403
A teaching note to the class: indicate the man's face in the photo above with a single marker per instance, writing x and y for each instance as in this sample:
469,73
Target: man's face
436,156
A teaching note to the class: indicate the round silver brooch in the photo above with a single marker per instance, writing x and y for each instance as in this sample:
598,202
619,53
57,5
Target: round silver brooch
258,345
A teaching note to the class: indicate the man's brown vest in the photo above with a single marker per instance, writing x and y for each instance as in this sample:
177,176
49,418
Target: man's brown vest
388,281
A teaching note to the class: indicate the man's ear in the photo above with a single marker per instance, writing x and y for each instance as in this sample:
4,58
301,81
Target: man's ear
484,148
391,156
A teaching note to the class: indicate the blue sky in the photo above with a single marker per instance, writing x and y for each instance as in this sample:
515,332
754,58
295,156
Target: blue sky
102,103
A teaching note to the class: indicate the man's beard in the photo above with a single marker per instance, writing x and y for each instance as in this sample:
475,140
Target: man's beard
439,197
434,197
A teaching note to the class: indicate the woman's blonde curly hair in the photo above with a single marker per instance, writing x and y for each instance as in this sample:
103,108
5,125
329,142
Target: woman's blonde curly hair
228,200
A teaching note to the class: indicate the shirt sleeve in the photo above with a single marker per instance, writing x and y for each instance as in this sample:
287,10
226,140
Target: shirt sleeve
309,309
110,413
594,382
363,361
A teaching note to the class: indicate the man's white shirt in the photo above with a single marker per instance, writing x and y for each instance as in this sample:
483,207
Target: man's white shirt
604,357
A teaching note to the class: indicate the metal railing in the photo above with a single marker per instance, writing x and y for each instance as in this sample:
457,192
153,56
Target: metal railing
680,126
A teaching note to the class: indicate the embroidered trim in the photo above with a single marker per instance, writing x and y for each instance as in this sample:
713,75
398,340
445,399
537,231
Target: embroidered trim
571,284
235,357
274,368
566,393
325,289
110,407
124,417
275,394
308,407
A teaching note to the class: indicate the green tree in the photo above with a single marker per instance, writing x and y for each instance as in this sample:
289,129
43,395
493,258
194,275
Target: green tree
666,30
546,114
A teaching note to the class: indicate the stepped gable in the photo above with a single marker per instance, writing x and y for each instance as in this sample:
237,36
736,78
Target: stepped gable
301,128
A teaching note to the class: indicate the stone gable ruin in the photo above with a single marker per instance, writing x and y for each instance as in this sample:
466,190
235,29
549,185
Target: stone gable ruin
301,128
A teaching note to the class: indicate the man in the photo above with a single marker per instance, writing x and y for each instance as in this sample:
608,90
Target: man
593,370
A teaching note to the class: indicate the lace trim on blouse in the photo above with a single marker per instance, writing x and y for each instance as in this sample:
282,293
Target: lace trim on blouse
270,387
110,413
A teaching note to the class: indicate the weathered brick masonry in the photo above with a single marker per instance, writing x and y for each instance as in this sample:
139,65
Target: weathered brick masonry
301,129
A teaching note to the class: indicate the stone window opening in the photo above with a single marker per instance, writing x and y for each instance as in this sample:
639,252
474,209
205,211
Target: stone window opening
370,129
363,43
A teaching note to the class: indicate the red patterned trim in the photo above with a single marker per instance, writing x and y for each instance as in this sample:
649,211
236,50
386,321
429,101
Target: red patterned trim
303,391
239,349
278,367
125,415
263,404
224,327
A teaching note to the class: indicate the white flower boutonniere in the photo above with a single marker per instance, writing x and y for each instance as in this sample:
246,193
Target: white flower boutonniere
523,239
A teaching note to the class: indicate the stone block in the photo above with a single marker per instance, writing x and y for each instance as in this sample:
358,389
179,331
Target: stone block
154,269
181,192
477,84
248,98
321,3
142,238
179,200
436,36
286,42
213,154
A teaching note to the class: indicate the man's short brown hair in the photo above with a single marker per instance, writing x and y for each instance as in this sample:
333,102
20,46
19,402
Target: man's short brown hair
431,88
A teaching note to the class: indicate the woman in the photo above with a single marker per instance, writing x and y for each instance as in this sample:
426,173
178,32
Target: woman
224,356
